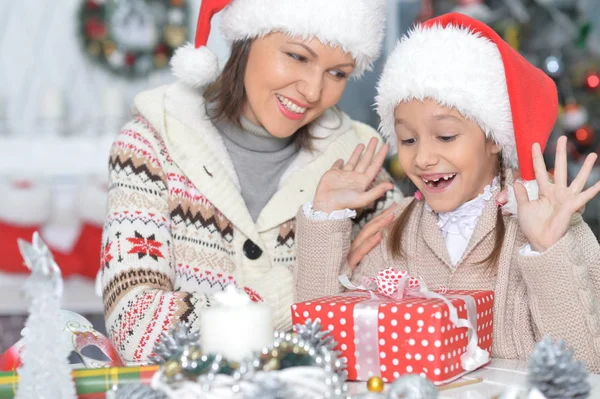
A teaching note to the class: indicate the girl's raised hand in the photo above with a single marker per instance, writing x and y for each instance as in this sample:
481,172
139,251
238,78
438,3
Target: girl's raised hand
345,185
546,220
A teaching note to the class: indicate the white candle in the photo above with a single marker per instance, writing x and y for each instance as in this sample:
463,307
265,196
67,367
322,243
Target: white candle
235,326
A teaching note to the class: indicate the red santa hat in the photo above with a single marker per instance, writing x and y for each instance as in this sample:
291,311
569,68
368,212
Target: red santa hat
355,26
462,63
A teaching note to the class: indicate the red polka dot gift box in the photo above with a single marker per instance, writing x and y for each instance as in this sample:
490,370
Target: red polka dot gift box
388,332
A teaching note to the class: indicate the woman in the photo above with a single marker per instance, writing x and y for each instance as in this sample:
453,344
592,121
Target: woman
206,180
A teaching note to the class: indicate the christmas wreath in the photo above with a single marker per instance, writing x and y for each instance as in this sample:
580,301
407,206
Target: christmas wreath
133,38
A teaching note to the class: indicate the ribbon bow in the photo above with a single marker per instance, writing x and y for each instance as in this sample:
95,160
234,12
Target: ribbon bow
396,285
391,283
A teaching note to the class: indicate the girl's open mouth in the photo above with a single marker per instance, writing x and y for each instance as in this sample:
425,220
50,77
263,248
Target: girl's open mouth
440,183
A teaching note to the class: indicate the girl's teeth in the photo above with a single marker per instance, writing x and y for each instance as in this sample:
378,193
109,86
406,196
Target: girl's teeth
434,182
291,106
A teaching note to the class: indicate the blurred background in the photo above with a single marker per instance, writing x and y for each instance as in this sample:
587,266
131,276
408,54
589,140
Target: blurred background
70,68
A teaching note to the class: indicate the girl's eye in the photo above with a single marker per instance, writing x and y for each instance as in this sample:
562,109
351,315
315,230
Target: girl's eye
339,74
447,139
408,141
297,57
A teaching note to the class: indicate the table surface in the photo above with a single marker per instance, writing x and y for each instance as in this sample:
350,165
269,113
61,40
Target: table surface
497,377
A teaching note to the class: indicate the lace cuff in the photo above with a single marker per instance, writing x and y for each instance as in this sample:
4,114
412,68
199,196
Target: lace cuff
311,214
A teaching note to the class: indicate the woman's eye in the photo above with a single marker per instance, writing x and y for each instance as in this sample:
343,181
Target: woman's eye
408,141
297,57
339,74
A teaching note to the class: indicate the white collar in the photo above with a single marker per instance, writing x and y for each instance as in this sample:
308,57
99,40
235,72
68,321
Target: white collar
463,219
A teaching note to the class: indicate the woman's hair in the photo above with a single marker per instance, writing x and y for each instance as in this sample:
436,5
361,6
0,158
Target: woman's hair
229,94
397,229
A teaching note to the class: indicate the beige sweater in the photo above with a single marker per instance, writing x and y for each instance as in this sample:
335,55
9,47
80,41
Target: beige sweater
556,293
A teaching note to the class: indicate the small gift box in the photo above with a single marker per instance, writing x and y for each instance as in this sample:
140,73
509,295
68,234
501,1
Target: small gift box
393,325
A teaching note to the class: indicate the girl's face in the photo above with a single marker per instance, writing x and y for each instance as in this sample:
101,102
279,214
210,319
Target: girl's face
445,155
290,82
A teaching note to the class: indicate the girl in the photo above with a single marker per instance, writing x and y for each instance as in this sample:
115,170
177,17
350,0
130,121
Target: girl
464,108
205,181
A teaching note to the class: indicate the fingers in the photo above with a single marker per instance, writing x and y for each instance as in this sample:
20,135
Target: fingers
373,194
587,195
338,164
358,252
366,158
560,162
376,224
377,163
520,194
539,167
354,157
584,173
370,235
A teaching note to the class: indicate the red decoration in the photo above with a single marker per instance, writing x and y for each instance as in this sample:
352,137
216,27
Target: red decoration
585,135
161,49
413,335
592,81
130,59
92,5
95,29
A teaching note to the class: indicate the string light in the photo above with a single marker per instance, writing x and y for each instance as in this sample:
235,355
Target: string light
593,81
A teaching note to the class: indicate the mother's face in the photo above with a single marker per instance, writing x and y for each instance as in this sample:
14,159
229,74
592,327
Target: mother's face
290,82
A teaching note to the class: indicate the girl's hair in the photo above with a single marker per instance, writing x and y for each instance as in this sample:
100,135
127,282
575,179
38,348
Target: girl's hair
229,94
397,229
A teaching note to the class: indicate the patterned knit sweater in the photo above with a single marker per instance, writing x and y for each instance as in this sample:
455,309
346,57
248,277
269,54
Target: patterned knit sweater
178,229
556,292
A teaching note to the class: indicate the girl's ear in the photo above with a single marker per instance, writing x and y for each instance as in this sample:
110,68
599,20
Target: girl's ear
494,148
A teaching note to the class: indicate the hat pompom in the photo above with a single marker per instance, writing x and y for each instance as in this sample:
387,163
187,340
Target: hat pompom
197,67
532,192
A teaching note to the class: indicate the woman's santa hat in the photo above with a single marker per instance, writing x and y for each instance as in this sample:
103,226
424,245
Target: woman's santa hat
462,63
355,26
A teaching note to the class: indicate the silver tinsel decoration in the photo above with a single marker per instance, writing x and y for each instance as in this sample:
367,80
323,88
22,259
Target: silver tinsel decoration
134,391
412,386
554,373
174,341
269,387
322,357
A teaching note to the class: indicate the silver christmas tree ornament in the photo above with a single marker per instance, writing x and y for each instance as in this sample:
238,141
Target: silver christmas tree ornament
174,342
412,386
554,373
312,332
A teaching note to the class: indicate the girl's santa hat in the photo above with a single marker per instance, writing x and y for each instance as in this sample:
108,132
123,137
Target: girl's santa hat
355,26
462,63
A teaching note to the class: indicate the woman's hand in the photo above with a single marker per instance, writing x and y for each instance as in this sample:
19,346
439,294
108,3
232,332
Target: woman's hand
344,186
546,220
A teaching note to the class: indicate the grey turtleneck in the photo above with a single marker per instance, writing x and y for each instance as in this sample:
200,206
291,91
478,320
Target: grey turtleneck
259,160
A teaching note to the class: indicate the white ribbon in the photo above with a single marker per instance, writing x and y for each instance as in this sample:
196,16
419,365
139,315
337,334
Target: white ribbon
473,358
